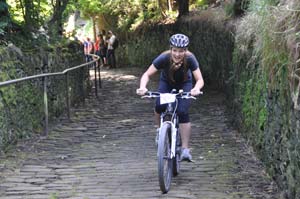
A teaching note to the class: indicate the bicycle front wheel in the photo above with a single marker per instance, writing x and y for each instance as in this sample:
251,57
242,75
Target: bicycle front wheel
176,161
165,163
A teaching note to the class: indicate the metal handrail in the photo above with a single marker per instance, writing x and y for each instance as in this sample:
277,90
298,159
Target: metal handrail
65,72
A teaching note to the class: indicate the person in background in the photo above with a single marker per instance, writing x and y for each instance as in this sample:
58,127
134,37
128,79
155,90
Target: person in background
110,56
85,49
103,49
88,47
97,45
97,48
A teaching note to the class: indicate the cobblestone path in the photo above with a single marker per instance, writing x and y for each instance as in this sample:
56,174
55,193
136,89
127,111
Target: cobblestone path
107,151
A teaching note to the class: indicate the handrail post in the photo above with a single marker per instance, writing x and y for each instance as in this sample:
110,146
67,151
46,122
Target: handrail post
68,96
82,83
46,106
100,85
95,71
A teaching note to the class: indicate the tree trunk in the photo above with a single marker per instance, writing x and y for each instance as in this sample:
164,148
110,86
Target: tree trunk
161,7
55,24
94,28
183,7
170,7
29,17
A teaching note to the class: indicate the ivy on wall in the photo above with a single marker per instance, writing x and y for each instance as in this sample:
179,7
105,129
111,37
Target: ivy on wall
21,105
266,88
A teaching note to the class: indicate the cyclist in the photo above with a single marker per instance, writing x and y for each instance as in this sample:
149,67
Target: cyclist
177,66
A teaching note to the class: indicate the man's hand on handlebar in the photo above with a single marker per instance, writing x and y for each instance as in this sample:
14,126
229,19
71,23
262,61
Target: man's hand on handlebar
141,91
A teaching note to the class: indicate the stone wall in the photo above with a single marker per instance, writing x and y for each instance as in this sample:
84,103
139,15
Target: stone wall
265,89
21,105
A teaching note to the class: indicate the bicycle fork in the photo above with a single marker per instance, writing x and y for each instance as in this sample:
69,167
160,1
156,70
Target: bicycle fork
173,136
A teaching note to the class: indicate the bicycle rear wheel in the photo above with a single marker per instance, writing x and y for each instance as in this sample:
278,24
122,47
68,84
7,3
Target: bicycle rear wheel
165,163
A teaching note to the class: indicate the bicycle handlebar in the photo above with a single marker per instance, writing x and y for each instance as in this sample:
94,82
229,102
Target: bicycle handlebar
182,95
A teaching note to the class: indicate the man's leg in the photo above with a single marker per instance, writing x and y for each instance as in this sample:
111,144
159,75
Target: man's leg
185,132
157,118
113,59
108,57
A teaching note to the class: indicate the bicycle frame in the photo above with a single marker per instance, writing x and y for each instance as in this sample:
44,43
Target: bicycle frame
170,110
174,124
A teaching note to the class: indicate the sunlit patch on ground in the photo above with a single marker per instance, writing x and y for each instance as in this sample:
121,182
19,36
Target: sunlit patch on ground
114,75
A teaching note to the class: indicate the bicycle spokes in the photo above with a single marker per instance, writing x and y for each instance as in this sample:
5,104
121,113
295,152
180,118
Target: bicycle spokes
164,158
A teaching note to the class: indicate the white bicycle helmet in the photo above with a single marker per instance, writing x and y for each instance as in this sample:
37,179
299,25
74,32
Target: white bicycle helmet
179,41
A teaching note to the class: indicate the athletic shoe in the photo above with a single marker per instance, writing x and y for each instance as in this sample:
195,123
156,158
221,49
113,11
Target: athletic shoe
185,155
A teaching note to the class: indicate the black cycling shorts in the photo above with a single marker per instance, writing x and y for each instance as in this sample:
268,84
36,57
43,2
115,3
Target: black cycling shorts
183,104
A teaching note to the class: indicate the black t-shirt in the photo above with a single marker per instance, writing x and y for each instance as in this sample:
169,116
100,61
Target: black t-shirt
162,62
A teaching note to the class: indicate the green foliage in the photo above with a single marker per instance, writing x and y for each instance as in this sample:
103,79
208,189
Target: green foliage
229,9
254,107
130,14
42,10
4,17
16,104
3,25
266,63
21,105
140,51
236,8
261,6
92,8
199,4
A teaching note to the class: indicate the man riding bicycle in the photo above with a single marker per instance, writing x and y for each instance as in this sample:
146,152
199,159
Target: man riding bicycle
177,66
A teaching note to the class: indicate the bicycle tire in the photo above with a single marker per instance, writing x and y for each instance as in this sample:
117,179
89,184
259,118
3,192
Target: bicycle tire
165,163
176,160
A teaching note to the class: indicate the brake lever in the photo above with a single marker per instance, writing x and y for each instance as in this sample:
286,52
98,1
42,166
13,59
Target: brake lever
149,95
189,97
146,96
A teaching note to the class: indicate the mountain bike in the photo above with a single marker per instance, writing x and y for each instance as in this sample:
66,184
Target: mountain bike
169,142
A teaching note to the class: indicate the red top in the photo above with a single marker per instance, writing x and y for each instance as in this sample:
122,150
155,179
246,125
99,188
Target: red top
96,45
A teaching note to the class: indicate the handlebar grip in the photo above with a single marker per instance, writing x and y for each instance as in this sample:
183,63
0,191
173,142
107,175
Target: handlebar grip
150,94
